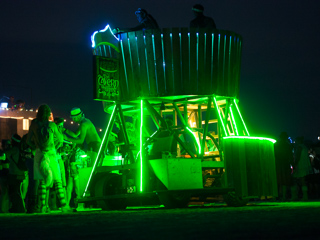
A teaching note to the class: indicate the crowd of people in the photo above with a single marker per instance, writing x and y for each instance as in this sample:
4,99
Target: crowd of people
297,169
43,165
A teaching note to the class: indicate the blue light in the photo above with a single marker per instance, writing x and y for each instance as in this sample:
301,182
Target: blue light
103,30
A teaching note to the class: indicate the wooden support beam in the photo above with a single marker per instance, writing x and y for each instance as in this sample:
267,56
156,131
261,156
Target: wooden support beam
205,131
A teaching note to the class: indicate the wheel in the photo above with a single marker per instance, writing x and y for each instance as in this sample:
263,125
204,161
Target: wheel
110,184
174,200
232,200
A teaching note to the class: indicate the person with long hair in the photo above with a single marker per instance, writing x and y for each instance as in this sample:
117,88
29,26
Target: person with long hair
45,137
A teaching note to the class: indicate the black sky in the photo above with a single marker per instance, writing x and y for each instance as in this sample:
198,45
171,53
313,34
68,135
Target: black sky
45,54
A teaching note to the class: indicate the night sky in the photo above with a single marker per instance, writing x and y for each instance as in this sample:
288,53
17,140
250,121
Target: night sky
45,54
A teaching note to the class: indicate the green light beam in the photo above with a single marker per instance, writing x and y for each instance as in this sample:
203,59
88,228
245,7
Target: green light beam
141,145
233,121
95,162
241,117
256,138
218,110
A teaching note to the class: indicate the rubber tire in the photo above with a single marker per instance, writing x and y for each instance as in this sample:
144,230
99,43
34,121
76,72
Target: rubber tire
232,200
107,185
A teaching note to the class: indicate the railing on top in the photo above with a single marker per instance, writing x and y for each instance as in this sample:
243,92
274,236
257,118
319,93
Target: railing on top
172,62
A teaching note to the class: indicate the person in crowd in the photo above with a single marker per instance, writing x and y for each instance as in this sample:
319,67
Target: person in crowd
60,152
27,154
146,21
283,152
11,103
314,179
46,166
16,176
85,133
201,21
301,168
4,171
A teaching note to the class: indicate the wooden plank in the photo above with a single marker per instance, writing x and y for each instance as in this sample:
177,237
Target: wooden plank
232,65
176,53
134,88
143,81
151,71
208,63
124,68
215,45
159,62
185,61
167,49
212,164
193,73
228,86
202,83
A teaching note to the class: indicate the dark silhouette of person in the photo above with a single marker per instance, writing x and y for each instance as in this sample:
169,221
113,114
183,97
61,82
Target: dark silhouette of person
146,22
283,152
201,21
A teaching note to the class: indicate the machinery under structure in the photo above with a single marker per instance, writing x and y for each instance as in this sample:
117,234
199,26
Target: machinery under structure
173,94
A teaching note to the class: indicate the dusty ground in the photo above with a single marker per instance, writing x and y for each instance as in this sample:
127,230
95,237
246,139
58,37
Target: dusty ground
258,220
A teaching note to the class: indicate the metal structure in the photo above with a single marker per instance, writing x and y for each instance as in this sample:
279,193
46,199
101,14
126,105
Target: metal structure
179,90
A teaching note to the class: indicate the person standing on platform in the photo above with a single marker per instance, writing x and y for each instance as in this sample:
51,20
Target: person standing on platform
146,22
85,133
201,21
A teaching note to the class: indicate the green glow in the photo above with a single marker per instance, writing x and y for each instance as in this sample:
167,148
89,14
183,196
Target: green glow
197,140
221,120
95,162
233,121
241,117
256,138
141,152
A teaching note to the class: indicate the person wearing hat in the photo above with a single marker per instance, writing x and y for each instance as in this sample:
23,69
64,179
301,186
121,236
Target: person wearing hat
85,133
144,18
201,21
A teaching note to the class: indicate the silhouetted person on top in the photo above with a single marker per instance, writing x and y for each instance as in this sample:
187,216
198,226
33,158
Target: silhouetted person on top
201,21
146,22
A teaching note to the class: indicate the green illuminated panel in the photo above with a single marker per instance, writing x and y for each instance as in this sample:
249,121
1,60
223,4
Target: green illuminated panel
219,114
256,138
197,140
141,145
104,138
234,122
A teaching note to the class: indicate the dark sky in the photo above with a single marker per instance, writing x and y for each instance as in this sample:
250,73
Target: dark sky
45,54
